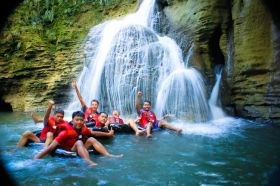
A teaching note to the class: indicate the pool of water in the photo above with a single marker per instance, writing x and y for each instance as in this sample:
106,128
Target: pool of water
223,152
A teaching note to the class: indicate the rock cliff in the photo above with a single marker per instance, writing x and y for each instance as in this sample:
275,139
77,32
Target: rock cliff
241,35
42,50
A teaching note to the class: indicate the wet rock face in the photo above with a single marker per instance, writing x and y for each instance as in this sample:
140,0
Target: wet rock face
256,67
250,86
37,61
41,49
201,26
32,75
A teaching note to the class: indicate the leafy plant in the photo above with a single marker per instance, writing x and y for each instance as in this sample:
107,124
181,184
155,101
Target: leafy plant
48,17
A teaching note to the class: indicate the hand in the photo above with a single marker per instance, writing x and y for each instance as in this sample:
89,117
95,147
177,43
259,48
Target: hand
111,132
74,84
50,103
137,119
166,116
139,94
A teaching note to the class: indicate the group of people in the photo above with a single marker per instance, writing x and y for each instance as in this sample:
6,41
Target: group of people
76,137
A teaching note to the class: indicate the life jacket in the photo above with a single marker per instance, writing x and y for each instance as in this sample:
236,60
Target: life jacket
116,120
98,124
147,117
90,116
81,134
69,136
51,126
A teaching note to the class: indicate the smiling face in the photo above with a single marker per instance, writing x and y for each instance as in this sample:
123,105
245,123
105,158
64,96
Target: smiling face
146,106
94,106
116,114
102,118
78,122
58,117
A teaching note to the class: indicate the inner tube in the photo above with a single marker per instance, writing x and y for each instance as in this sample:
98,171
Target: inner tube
90,124
121,128
100,129
58,151
118,128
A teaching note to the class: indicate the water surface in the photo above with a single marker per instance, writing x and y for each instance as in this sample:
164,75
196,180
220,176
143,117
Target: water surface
224,152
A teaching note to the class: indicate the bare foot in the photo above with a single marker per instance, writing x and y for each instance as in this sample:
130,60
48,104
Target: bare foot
115,156
179,131
149,135
91,164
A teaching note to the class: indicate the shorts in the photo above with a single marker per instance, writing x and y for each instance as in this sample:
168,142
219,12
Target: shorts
155,125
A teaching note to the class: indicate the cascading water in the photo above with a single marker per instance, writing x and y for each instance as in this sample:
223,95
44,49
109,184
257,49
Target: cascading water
124,56
214,102
229,64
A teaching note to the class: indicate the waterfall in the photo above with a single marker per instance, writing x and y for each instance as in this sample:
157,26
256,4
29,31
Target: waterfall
127,55
188,56
214,101
229,52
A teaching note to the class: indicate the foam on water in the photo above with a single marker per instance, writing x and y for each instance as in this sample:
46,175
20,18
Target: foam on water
213,128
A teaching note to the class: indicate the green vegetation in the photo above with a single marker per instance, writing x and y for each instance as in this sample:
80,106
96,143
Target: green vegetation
45,11
50,22
41,47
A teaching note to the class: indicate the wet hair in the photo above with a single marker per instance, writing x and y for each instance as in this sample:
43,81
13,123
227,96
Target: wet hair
94,100
116,111
147,101
79,114
103,113
59,110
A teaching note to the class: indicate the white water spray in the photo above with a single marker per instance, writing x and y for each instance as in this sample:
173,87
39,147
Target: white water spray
214,103
127,55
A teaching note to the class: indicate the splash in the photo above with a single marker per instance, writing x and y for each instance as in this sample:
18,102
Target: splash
127,55
214,101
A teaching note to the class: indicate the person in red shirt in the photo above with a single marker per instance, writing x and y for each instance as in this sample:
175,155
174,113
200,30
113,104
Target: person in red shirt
115,119
102,120
51,127
91,113
147,119
76,137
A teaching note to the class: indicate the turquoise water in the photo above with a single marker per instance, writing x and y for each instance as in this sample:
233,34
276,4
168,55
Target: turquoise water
225,152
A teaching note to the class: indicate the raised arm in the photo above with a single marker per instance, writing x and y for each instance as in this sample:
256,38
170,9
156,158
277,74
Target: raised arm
47,115
74,85
138,101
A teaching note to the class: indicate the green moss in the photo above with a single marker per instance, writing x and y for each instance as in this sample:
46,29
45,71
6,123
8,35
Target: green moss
42,41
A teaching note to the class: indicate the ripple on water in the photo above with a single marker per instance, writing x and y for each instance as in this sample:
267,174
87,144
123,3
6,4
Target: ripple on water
22,164
184,164
207,174
212,153
102,182
217,163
